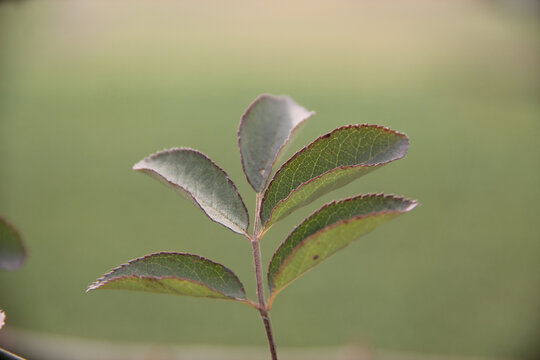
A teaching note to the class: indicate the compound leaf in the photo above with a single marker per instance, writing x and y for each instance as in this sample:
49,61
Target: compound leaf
12,252
328,230
331,161
193,173
176,274
265,129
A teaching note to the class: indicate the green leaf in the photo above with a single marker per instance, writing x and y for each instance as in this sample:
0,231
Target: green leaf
265,129
193,173
328,230
12,252
331,161
174,273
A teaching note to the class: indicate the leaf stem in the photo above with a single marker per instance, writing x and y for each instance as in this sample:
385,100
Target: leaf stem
256,222
263,310
260,292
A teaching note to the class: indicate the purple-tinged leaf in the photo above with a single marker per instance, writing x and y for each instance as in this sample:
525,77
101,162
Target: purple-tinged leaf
193,173
265,129
331,161
328,230
176,274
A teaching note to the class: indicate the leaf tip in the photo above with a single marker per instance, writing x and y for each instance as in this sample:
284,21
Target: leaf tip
138,166
94,286
412,205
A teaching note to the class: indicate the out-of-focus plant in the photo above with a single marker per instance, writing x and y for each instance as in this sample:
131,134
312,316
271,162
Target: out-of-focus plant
329,162
12,251
12,257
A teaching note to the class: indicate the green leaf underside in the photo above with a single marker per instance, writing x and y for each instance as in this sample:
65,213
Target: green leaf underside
265,129
176,274
330,162
328,230
193,173
12,252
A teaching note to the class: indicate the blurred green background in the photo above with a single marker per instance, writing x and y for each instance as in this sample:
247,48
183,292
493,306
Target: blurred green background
87,88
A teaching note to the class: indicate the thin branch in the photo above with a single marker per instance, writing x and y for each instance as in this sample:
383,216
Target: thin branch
260,292
258,273
263,310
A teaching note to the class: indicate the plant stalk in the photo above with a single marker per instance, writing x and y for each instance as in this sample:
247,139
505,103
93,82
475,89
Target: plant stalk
262,306
263,310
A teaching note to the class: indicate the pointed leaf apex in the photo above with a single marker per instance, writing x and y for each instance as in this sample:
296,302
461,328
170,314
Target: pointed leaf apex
329,162
176,274
329,229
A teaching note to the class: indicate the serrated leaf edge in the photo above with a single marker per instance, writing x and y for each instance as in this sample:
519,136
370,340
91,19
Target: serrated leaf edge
287,140
138,167
327,135
414,203
103,279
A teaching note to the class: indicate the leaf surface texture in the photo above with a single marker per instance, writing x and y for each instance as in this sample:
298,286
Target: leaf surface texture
331,161
265,129
328,230
176,274
193,173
